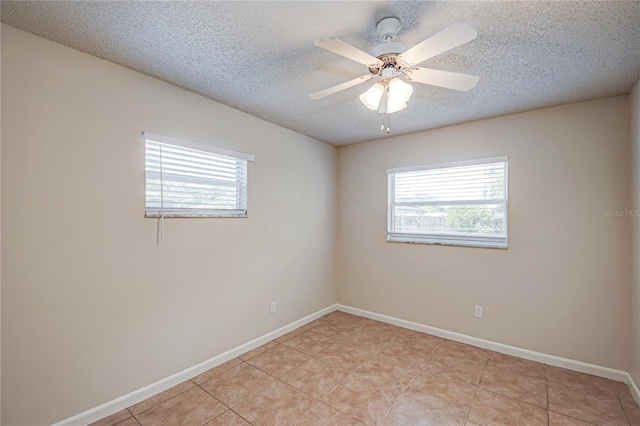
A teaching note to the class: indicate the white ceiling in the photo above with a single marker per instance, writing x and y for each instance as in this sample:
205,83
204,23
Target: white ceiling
259,57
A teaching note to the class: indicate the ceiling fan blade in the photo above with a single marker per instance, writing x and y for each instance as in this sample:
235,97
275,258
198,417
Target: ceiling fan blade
339,87
344,49
452,36
446,79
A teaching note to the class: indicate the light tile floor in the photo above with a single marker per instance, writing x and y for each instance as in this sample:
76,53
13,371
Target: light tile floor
346,370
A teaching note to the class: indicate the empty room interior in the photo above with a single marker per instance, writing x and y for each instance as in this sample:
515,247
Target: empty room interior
320,213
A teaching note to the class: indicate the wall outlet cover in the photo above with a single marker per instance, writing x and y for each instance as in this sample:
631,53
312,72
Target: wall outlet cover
478,312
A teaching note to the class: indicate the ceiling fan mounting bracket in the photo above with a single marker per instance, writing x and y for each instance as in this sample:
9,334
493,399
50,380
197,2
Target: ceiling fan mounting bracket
388,28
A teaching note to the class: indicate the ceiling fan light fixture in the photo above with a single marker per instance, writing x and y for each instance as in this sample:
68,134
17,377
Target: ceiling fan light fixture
371,98
395,107
399,94
397,91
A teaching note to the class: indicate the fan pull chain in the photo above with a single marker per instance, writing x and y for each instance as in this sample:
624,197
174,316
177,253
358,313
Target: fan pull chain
385,115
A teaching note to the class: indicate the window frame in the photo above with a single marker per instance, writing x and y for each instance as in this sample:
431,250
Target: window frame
447,239
151,212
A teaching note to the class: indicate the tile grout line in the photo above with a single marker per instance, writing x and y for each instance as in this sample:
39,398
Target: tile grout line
223,404
571,417
132,416
130,412
473,401
624,411
161,402
239,415
406,387
513,399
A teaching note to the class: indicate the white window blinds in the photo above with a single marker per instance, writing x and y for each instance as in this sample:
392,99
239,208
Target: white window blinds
454,204
187,179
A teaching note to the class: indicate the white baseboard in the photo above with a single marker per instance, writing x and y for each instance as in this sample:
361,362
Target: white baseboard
571,364
141,394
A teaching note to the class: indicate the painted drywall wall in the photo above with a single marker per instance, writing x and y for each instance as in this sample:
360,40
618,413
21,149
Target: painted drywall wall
92,308
634,367
0,232
561,288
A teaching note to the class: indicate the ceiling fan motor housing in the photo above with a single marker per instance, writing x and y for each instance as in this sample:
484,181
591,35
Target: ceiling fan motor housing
387,53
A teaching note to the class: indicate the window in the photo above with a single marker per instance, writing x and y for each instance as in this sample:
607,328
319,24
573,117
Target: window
187,179
451,204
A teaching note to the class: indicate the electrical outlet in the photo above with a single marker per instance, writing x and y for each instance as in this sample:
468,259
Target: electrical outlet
273,307
478,312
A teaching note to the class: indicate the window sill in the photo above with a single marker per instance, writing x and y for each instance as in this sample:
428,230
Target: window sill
193,216
413,239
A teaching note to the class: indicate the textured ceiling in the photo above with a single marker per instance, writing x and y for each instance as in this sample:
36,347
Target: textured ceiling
259,57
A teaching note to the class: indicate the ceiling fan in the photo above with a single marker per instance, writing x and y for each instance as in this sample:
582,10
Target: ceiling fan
390,63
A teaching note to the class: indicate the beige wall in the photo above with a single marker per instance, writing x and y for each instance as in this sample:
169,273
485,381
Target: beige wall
634,367
562,287
0,238
92,308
